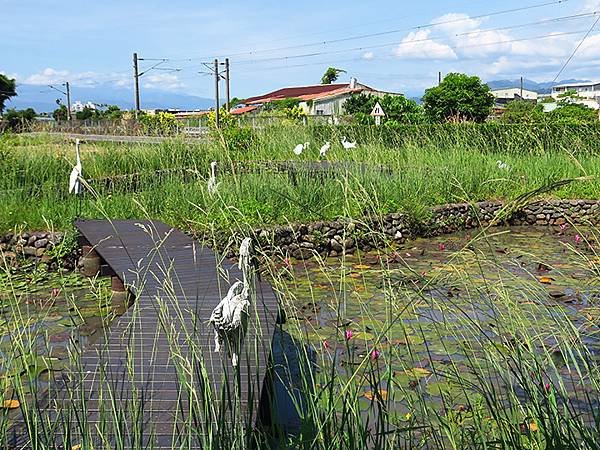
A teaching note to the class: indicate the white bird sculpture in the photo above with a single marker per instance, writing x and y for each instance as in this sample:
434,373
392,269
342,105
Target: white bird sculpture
213,186
348,145
502,165
300,147
325,148
230,316
75,178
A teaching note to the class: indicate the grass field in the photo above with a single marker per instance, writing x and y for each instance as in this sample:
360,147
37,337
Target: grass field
428,166
472,346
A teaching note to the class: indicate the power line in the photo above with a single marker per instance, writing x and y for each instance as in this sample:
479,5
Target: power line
383,33
575,50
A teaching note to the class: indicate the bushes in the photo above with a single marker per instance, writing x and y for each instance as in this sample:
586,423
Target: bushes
536,138
19,120
162,124
237,139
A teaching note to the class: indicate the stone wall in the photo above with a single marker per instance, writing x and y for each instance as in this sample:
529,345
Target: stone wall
345,236
34,246
341,236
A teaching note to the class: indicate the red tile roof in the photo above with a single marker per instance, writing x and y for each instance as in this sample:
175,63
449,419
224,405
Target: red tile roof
306,92
243,110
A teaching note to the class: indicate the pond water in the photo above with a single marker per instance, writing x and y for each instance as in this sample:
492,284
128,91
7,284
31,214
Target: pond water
436,318
45,319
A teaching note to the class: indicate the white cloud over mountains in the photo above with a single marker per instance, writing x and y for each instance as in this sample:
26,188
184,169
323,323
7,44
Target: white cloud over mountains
51,76
491,50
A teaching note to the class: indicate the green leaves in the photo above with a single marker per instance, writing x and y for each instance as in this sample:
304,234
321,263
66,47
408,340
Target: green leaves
458,98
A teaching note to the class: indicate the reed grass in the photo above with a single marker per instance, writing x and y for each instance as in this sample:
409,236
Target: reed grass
501,385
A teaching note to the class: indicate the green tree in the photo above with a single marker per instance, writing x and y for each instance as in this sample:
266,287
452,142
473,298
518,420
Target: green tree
85,114
458,98
398,109
19,120
331,75
522,111
7,90
60,113
573,114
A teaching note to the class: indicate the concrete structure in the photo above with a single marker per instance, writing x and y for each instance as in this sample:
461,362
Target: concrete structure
504,96
319,99
587,90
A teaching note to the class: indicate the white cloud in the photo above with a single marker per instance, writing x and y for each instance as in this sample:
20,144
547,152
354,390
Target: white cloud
418,45
455,23
368,56
591,6
168,81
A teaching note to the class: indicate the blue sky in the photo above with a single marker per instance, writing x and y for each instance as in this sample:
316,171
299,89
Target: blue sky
91,43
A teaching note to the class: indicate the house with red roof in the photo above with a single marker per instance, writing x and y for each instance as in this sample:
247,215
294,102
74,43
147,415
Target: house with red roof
315,100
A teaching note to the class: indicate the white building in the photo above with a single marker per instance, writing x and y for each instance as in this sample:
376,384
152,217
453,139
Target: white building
79,106
504,96
588,90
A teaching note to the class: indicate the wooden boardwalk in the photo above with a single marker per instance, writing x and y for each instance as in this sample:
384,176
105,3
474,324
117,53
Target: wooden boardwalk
155,379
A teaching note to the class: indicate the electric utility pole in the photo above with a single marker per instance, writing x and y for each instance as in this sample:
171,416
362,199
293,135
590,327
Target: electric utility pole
136,78
217,77
228,100
68,101
66,94
521,88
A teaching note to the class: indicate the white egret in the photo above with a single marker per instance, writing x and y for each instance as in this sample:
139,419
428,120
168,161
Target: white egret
213,186
230,317
75,178
75,185
502,165
348,145
300,147
325,148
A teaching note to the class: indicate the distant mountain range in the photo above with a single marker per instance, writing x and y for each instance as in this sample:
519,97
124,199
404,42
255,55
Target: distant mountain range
530,85
43,99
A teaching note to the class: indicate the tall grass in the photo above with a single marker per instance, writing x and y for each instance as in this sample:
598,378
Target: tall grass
518,373
407,170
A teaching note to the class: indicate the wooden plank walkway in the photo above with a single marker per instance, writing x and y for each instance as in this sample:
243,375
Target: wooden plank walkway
156,369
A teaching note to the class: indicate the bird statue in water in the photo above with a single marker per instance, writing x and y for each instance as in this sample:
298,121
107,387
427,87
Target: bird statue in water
213,186
75,178
230,316
348,145
325,148
300,147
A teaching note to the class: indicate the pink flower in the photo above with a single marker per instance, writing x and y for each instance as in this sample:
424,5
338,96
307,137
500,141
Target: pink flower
442,247
326,345
563,226
348,334
547,387
55,292
287,263
577,239
375,354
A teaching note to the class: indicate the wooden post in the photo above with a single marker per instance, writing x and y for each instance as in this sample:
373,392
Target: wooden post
91,261
120,296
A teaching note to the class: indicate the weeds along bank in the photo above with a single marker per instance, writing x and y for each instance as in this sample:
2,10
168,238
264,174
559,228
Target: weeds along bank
418,370
402,170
